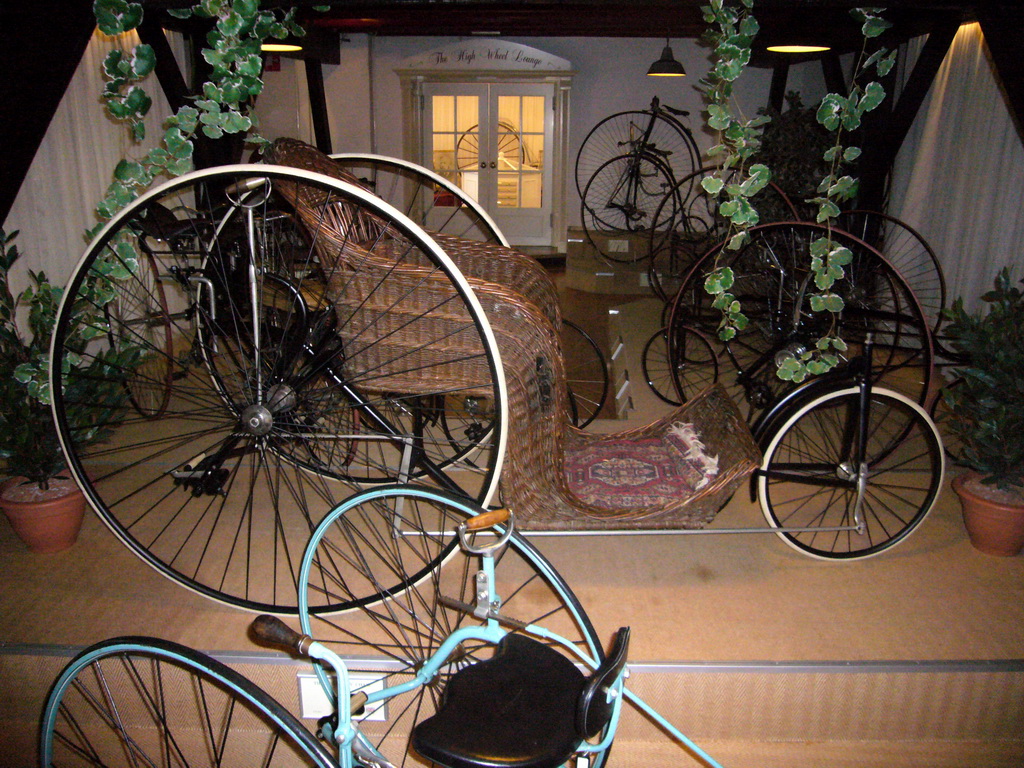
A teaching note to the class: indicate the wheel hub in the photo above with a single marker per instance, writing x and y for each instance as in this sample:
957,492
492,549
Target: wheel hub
257,420
846,471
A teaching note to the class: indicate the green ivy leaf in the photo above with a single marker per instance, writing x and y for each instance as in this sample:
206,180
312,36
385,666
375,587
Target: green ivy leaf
886,64
235,123
829,111
874,26
841,187
712,185
840,255
828,210
718,117
874,94
143,60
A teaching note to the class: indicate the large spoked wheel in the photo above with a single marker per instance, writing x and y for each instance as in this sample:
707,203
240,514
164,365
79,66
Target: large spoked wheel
388,564
622,132
326,340
586,374
141,314
143,701
694,368
621,197
773,283
908,252
809,478
687,224
434,202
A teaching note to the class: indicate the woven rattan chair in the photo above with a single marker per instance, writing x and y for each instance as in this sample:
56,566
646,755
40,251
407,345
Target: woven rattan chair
676,472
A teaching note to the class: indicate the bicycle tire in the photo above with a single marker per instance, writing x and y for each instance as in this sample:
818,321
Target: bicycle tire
699,358
907,250
434,202
687,224
806,479
620,199
392,554
145,701
773,281
586,374
617,132
199,493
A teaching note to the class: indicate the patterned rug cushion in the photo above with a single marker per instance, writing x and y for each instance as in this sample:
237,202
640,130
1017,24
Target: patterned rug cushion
618,474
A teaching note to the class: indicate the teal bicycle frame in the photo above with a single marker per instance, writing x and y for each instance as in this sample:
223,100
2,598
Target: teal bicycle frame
487,608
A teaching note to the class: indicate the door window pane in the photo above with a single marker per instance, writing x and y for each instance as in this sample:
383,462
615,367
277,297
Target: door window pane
455,140
520,151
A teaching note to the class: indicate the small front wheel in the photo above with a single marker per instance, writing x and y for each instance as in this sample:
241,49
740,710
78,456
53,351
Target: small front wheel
827,504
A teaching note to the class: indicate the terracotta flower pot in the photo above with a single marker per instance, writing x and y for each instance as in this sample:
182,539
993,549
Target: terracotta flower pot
47,521
995,527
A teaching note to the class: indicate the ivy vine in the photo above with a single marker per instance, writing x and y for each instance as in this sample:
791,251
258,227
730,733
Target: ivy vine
840,114
731,31
238,30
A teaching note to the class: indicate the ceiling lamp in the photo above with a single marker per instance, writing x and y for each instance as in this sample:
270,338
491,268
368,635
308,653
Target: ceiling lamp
280,47
798,48
666,66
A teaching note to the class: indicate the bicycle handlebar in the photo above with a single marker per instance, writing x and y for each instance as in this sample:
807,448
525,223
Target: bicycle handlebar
487,519
270,630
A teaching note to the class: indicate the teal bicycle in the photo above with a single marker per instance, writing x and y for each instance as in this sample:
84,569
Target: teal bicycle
480,651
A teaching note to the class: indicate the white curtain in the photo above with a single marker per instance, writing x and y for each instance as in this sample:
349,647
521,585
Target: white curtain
75,164
959,179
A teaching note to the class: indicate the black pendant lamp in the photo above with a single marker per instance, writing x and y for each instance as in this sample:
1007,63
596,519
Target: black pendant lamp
666,66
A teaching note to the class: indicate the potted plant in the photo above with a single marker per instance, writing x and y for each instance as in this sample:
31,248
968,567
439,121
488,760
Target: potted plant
987,416
40,498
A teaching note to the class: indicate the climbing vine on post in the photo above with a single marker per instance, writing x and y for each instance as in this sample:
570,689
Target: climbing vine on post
238,30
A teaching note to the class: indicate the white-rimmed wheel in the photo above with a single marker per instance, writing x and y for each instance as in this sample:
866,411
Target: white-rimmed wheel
831,500
433,201
321,337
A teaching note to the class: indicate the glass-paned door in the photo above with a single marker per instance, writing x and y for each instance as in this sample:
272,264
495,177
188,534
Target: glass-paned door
493,140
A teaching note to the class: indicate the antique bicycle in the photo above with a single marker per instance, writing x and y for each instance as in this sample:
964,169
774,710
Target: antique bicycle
485,657
627,167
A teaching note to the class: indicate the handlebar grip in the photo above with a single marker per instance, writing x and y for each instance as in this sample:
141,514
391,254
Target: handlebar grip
245,185
270,630
487,519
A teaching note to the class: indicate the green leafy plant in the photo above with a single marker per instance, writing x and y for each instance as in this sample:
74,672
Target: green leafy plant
95,374
987,399
842,115
731,31
237,30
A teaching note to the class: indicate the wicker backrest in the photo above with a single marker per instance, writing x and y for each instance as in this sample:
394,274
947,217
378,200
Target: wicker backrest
521,305
393,303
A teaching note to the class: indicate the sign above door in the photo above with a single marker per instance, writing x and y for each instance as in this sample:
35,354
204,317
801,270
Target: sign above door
487,54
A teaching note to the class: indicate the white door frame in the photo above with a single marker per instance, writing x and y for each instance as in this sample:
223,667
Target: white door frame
491,60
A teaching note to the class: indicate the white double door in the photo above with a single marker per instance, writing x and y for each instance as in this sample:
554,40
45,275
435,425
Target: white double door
494,141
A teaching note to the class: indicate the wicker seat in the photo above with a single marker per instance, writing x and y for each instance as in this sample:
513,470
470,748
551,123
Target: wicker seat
676,472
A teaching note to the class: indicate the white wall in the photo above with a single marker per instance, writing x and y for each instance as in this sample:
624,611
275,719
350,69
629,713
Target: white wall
75,164
610,77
